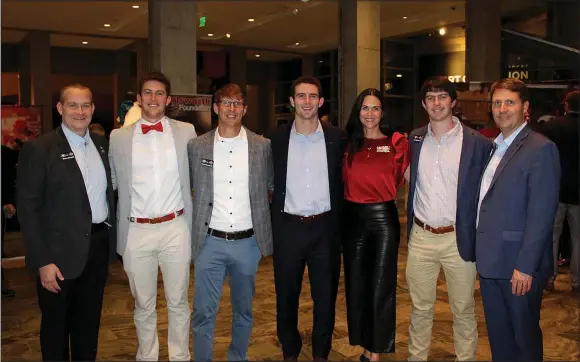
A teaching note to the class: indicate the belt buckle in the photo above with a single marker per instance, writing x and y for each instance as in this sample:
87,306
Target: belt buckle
226,237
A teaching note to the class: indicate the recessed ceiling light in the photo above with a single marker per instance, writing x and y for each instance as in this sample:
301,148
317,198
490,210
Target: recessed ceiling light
257,55
399,76
251,20
107,25
85,42
404,17
442,31
135,6
210,34
228,35
297,43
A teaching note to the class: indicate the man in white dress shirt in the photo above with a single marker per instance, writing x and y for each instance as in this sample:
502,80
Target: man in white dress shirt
150,170
231,174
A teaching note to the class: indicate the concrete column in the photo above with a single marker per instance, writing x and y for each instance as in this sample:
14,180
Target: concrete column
173,43
238,67
24,94
142,50
122,77
40,74
483,38
360,51
308,65
563,20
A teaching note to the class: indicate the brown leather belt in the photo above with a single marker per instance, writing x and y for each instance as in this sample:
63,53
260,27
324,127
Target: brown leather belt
304,219
434,230
230,236
156,220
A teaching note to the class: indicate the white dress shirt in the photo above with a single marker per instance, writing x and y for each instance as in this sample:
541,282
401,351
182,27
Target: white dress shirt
231,190
94,176
155,174
501,147
435,201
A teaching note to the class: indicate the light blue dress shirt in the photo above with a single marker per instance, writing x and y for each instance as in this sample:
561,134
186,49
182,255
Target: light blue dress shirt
307,189
93,171
501,146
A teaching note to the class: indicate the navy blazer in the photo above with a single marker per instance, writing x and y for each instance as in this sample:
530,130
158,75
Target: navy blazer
517,214
475,152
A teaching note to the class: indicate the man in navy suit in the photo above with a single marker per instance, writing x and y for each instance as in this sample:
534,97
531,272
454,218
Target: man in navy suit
447,160
517,205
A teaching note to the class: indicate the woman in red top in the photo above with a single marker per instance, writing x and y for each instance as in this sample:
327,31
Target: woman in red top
374,163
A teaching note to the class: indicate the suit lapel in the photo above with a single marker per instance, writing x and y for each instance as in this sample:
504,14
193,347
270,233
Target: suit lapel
510,152
330,153
207,153
128,151
417,145
71,164
467,148
252,163
285,146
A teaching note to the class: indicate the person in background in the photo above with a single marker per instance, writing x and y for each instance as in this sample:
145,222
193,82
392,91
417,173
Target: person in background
373,168
563,131
97,128
129,111
66,209
518,200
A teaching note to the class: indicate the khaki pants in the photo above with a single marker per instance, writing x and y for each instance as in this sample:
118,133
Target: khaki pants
427,253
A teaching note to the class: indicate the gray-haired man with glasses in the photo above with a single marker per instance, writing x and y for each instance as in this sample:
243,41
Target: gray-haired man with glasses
231,175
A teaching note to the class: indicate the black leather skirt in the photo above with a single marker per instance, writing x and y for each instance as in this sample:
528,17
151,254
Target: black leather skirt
370,247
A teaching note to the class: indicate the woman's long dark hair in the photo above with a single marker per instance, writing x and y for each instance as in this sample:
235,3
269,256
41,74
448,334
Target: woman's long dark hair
354,127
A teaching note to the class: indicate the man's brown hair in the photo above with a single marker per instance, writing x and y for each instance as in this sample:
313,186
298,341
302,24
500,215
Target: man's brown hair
230,90
74,86
512,85
156,76
306,80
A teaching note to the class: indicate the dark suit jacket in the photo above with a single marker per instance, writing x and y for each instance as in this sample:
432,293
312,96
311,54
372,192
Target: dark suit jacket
335,139
53,205
564,132
517,214
475,152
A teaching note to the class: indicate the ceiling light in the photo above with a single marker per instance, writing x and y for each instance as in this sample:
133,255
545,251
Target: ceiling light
85,42
442,31
210,34
404,17
321,61
107,25
135,6
257,55
399,76
228,35
251,20
297,44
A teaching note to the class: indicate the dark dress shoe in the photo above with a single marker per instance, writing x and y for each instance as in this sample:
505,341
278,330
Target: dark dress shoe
364,358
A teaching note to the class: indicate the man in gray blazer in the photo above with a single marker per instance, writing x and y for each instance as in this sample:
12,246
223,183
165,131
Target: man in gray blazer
149,168
231,175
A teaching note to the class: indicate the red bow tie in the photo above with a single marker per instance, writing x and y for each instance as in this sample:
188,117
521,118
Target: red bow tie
156,127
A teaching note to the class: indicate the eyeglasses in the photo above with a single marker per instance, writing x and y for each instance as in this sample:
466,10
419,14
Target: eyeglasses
226,103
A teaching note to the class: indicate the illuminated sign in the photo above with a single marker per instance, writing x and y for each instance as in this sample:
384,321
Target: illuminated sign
518,74
457,78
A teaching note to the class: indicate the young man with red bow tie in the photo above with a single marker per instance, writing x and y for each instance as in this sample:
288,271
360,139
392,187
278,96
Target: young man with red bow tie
149,167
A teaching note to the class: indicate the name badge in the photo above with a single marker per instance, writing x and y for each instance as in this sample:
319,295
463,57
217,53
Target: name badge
383,149
67,156
207,163
418,139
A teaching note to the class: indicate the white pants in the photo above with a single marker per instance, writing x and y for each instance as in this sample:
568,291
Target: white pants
166,246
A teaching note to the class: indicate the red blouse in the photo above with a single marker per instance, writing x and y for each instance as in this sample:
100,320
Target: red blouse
376,170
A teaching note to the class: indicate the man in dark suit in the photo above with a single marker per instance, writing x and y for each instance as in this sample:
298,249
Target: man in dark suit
65,207
305,218
517,205
447,160
564,132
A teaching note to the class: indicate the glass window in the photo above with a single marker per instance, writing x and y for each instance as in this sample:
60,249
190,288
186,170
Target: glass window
398,82
399,113
322,64
398,55
288,70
